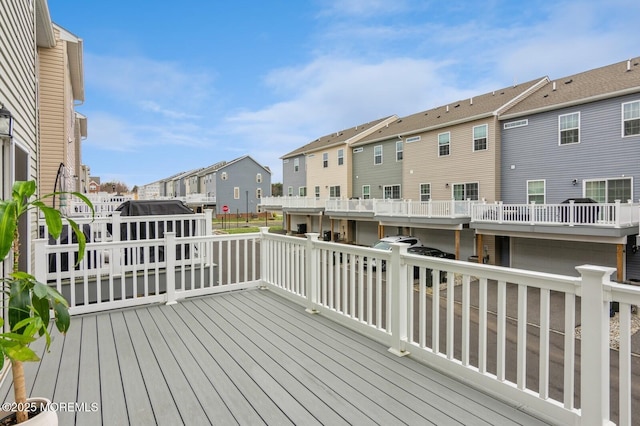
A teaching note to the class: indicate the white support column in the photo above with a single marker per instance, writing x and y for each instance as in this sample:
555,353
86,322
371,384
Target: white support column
263,257
170,271
116,220
208,222
399,300
311,273
594,369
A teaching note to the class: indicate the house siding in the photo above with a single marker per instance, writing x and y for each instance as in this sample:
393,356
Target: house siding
333,175
422,163
532,152
293,179
241,174
377,176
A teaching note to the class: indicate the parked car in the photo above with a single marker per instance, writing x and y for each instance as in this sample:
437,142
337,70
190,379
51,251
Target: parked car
385,244
433,252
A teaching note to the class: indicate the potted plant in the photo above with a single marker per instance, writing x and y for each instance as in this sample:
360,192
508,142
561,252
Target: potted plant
30,303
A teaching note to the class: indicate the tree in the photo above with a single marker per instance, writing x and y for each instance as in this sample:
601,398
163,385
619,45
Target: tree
114,186
276,189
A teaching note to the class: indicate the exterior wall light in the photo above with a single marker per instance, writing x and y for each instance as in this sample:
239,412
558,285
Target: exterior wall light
6,123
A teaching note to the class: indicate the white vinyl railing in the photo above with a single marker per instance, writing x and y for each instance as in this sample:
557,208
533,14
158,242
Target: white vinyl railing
292,202
598,214
456,316
427,209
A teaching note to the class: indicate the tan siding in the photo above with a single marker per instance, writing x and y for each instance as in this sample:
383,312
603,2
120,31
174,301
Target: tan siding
333,175
423,165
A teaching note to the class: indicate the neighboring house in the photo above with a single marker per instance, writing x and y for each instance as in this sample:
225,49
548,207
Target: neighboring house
446,153
576,137
61,127
327,163
207,179
150,191
240,184
20,45
94,185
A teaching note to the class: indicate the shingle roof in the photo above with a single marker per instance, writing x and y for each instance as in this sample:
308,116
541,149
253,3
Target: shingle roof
335,138
600,83
460,111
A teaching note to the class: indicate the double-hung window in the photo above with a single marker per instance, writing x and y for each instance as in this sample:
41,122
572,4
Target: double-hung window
340,157
425,191
535,191
480,137
631,118
444,143
377,154
296,165
399,150
316,191
302,191
325,160
334,191
366,192
569,128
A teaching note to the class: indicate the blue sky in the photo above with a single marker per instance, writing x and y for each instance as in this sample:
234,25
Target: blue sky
174,86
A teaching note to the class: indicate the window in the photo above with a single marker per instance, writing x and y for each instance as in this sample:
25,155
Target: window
302,191
357,150
413,139
465,191
377,154
444,141
316,191
334,191
224,176
391,192
296,165
608,190
480,137
425,191
631,118
535,191
569,128
236,193
340,157
366,192
399,151
259,178
290,191
325,160
518,123
258,193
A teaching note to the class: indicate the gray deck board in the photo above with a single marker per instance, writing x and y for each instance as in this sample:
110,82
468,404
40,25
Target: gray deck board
247,357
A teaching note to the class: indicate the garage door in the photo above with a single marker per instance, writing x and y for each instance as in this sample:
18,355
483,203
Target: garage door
559,257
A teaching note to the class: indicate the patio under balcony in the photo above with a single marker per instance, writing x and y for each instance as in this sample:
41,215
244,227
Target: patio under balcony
243,357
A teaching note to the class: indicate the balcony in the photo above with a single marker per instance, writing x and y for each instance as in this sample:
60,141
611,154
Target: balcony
329,339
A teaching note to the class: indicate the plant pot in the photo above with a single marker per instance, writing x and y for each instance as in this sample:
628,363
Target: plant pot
43,418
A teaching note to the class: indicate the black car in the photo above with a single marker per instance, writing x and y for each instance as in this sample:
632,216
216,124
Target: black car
433,252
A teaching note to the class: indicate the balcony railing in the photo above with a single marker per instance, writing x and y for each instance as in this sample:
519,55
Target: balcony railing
472,311
292,202
614,215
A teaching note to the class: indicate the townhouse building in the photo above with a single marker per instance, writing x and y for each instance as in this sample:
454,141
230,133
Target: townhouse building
448,153
575,138
327,163
240,184
62,129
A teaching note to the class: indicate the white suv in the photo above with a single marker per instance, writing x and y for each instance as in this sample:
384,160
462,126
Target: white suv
385,244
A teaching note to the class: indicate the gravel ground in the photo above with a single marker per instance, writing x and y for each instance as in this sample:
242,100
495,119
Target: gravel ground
614,329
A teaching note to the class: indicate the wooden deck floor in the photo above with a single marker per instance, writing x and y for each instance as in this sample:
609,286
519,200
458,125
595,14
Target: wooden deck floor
247,357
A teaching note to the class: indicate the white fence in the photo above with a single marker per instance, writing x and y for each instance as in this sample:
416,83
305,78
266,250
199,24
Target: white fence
510,332
601,214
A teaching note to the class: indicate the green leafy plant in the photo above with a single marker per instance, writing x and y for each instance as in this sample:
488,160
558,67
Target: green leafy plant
29,302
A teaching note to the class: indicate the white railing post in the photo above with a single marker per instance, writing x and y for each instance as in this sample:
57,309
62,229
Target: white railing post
399,303
170,271
618,214
116,220
572,216
208,222
500,212
311,273
594,368
42,262
532,213
264,261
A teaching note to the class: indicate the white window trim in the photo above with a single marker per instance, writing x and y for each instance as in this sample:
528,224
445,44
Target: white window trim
340,157
544,193
606,180
623,120
413,139
473,138
384,187
517,123
325,157
420,189
381,155
448,144
369,192
560,130
400,151
236,192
